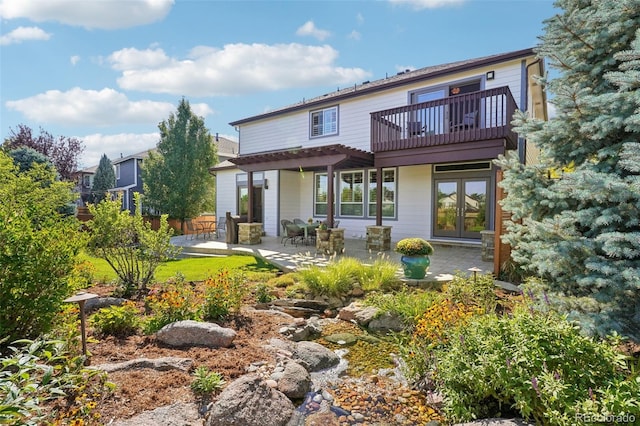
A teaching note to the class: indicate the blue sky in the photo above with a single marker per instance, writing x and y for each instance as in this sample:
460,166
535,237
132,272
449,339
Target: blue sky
108,71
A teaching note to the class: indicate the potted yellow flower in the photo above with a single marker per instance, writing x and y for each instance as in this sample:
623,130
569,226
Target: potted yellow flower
415,256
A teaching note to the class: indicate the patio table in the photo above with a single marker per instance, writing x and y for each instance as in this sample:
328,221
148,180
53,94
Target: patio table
307,228
208,227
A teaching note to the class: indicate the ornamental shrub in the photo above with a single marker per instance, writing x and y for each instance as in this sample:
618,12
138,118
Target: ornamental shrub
119,321
223,294
536,363
173,302
128,244
38,249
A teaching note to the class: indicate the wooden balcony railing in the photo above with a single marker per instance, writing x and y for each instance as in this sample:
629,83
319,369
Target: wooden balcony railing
477,116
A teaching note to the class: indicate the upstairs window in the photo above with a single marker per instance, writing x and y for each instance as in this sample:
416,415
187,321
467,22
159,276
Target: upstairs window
324,122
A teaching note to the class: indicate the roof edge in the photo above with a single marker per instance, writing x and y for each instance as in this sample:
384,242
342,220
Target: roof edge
411,77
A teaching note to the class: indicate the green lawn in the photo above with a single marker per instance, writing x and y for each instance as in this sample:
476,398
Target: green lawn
193,268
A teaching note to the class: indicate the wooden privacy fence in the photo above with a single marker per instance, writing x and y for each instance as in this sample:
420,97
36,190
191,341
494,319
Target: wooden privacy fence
83,215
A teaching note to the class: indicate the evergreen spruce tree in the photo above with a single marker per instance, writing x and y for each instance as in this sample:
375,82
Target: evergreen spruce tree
176,176
103,180
576,215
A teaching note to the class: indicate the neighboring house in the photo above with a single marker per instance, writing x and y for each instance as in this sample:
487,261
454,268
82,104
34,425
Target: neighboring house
226,148
84,183
413,151
128,172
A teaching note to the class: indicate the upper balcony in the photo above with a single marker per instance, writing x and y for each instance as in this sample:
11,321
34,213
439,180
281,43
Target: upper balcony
472,117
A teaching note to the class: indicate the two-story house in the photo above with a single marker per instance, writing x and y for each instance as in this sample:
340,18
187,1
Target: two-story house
128,172
412,151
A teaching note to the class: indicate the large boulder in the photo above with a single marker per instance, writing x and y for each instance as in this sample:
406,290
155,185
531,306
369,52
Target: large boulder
386,322
195,333
359,313
178,414
294,381
314,357
249,401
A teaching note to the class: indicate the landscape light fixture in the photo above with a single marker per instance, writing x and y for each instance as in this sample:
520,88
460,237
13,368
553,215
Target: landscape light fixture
82,297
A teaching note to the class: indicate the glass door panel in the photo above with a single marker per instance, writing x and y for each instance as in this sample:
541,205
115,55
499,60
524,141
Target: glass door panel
447,223
431,120
475,207
461,208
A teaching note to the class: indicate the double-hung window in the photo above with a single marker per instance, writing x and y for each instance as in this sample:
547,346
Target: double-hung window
388,192
320,194
352,193
324,122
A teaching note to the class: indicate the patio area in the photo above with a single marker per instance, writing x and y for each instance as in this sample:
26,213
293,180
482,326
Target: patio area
446,260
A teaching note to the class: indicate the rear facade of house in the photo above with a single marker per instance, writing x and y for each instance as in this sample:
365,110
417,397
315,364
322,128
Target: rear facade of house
412,151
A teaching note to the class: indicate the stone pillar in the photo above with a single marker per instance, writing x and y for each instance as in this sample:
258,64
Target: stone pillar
487,238
335,243
249,233
379,238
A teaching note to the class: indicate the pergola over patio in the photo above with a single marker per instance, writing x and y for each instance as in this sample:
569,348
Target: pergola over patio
322,158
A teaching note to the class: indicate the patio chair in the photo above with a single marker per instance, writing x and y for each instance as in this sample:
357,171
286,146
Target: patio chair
193,228
284,223
222,226
299,221
294,232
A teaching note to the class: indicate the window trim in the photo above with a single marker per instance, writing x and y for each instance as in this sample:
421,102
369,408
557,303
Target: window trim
365,202
354,203
323,111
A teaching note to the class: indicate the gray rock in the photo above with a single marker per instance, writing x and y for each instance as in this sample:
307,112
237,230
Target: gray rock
195,333
299,308
249,401
102,302
295,381
178,414
314,357
386,322
159,364
359,313
342,338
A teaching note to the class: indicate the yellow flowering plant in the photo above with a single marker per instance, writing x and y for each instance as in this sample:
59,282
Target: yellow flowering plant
414,247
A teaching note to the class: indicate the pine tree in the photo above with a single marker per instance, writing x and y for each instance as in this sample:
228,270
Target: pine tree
176,177
576,215
103,180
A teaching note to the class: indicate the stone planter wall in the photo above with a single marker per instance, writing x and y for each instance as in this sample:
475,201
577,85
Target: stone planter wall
335,244
487,238
378,238
249,233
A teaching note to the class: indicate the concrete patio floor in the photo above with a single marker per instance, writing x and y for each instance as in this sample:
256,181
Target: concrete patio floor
446,260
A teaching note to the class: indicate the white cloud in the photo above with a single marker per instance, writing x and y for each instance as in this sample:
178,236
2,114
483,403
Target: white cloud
74,59
131,58
428,4
103,14
21,34
354,35
79,107
114,145
310,29
234,69
360,18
